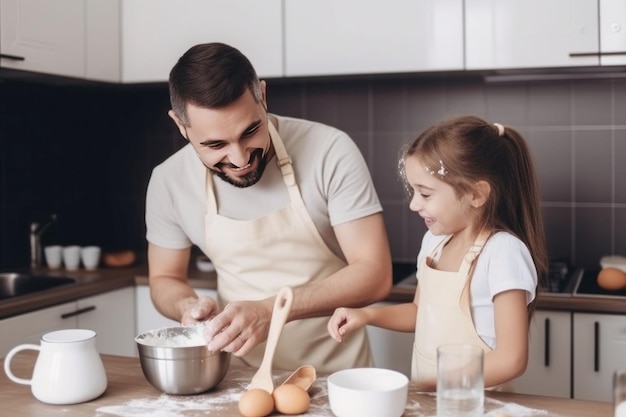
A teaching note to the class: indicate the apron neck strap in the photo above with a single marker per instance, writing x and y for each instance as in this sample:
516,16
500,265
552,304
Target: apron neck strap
470,256
283,159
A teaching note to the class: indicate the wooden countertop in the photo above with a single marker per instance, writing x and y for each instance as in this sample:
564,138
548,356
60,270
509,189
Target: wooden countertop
108,279
130,395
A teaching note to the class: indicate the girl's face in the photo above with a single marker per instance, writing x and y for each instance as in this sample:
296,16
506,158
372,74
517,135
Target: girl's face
435,201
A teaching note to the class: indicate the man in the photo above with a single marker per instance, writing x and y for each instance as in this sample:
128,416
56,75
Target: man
272,201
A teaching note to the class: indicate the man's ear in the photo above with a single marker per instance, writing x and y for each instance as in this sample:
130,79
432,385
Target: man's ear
181,125
480,193
263,94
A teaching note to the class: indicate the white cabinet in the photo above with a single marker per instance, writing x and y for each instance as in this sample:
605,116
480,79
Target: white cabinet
134,40
59,38
110,315
549,361
155,33
612,32
574,355
599,347
391,349
505,34
40,36
330,37
29,327
148,317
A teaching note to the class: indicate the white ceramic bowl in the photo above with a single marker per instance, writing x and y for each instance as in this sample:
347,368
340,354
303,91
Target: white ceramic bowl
616,261
367,392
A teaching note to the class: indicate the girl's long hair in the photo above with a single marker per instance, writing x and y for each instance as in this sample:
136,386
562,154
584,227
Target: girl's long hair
464,150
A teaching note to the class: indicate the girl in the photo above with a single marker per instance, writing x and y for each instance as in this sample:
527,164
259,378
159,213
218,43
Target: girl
482,257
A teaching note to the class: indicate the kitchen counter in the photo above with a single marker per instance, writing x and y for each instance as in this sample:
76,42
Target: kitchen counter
545,301
130,395
88,283
108,279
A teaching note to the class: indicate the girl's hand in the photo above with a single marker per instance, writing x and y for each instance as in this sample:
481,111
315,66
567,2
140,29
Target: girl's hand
344,320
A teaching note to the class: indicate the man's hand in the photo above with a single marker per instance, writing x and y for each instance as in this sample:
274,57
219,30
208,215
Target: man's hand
240,327
196,310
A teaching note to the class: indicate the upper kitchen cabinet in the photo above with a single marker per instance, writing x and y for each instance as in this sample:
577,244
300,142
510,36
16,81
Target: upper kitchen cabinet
41,36
155,33
337,37
509,34
72,38
612,32
134,40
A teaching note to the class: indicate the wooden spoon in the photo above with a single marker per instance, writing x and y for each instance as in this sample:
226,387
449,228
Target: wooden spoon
303,377
263,377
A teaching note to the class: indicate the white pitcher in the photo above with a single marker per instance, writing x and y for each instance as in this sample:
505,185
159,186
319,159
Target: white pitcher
68,369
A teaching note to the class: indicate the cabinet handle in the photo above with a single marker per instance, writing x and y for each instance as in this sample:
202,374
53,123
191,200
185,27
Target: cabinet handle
12,57
598,54
596,346
78,312
546,353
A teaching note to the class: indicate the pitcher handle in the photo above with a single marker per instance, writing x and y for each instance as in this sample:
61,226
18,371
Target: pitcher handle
7,363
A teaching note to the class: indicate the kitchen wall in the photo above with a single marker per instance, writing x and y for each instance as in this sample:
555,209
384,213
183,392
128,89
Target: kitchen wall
85,152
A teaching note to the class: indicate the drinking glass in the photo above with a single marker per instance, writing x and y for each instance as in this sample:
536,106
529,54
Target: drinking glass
460,383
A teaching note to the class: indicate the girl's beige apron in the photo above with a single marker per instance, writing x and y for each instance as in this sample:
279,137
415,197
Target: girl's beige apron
255,258
444,314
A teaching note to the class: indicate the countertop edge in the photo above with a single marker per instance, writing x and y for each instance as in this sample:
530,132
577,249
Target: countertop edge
108,279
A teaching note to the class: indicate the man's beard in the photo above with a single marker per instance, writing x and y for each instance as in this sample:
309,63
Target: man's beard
252,177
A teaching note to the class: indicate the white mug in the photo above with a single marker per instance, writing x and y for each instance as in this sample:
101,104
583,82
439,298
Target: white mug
68,369
90,255
71,257
54,256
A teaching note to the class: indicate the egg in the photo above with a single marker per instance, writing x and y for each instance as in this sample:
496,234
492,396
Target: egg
291,399
612,279
256,403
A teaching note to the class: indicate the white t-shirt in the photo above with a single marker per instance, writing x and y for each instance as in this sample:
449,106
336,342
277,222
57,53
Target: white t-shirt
504,264
332,175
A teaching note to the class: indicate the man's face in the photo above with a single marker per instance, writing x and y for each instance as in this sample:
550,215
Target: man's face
233,141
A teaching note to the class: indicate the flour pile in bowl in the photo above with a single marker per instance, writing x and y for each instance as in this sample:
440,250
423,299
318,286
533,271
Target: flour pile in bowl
173,337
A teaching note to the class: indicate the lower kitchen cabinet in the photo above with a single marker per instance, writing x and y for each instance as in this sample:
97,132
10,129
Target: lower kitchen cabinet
574,355
391,349
599,349
29,327
109,314
549,361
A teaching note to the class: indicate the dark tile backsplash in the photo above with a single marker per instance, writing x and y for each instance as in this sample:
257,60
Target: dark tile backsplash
85,153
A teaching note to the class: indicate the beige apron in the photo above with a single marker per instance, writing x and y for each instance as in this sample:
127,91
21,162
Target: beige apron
255,258
444,314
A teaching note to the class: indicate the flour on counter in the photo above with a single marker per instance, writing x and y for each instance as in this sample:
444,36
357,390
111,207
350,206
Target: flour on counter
170,405
227,398
493,408
511,409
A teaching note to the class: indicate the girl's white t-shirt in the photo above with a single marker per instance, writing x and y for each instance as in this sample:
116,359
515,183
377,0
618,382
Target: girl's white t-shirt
504,264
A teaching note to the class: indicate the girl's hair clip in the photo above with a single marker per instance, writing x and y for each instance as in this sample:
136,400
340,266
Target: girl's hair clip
500,129
442,171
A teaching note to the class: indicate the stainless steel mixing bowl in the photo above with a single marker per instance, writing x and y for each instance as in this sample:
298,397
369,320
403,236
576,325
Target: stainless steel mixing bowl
175,360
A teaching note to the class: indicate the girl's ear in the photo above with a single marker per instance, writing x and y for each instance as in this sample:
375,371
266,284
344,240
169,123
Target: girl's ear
480,193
